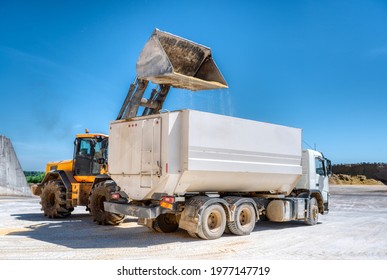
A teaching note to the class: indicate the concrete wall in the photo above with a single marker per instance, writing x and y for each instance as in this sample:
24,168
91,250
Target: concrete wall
12,179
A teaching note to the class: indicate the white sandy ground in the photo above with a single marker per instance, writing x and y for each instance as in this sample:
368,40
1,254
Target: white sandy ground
354,229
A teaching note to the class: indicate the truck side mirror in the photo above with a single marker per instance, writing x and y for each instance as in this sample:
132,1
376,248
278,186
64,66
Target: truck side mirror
329,167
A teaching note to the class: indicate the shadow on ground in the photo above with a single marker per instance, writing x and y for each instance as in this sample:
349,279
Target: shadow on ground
79,232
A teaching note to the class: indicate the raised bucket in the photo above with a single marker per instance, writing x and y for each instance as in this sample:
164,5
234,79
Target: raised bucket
171,60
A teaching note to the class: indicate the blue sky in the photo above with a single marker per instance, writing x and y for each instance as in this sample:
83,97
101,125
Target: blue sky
316,65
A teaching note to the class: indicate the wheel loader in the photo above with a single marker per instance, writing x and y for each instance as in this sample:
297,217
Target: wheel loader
166,61
68,183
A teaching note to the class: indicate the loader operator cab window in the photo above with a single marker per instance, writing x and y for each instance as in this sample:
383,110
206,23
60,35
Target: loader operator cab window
87,154
85,148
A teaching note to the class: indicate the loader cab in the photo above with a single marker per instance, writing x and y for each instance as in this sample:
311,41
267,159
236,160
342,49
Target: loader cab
90,154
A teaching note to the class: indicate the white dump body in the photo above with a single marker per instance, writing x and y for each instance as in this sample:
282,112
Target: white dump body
190,151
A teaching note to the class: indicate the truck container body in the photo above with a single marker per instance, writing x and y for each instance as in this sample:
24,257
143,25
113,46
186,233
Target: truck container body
207,173
189,151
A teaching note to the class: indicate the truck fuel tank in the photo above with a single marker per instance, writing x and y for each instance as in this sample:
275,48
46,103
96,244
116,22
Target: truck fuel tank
171,60
283,210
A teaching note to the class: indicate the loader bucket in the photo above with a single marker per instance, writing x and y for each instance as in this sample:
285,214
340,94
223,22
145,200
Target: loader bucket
171,60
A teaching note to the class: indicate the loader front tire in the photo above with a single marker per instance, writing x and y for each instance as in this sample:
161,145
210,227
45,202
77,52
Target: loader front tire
53,200
100,193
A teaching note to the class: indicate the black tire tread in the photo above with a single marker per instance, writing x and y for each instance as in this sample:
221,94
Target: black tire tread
58,207
102,191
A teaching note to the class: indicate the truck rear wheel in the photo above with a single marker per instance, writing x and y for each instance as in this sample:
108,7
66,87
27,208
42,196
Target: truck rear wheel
166,223
312,217
53,200
100,193
213,222
244,220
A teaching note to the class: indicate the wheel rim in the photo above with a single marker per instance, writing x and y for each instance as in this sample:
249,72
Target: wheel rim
244,217
214,221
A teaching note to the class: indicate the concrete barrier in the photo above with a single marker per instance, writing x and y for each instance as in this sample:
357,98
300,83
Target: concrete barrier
12,179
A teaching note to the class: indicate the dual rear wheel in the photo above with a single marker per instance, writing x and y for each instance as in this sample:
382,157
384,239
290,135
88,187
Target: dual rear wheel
244,220
214,221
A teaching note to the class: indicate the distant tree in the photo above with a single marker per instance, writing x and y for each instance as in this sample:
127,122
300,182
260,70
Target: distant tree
34,177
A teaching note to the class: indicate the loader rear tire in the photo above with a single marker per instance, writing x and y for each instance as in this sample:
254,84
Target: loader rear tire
53,200
166,223
100,193
244,220
213,222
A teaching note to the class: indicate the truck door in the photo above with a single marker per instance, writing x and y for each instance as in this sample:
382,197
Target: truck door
150,151
322,176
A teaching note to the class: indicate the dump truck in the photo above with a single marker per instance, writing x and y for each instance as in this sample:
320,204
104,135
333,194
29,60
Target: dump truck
204,173
68,183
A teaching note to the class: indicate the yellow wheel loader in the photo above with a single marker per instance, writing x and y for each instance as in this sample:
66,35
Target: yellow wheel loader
69,183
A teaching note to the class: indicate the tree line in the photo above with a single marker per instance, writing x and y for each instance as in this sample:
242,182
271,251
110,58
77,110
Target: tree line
34,176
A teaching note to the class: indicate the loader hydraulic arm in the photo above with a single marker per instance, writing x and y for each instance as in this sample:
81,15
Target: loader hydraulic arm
134,99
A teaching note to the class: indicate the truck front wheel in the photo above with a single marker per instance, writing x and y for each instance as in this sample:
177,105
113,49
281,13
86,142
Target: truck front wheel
213,222
312,217
100,193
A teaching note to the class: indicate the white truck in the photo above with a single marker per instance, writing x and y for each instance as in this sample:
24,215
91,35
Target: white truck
202,172
205,172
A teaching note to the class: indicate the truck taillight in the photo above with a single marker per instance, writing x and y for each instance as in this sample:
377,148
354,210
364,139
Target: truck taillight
168,199
116,196
167,202
166,205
